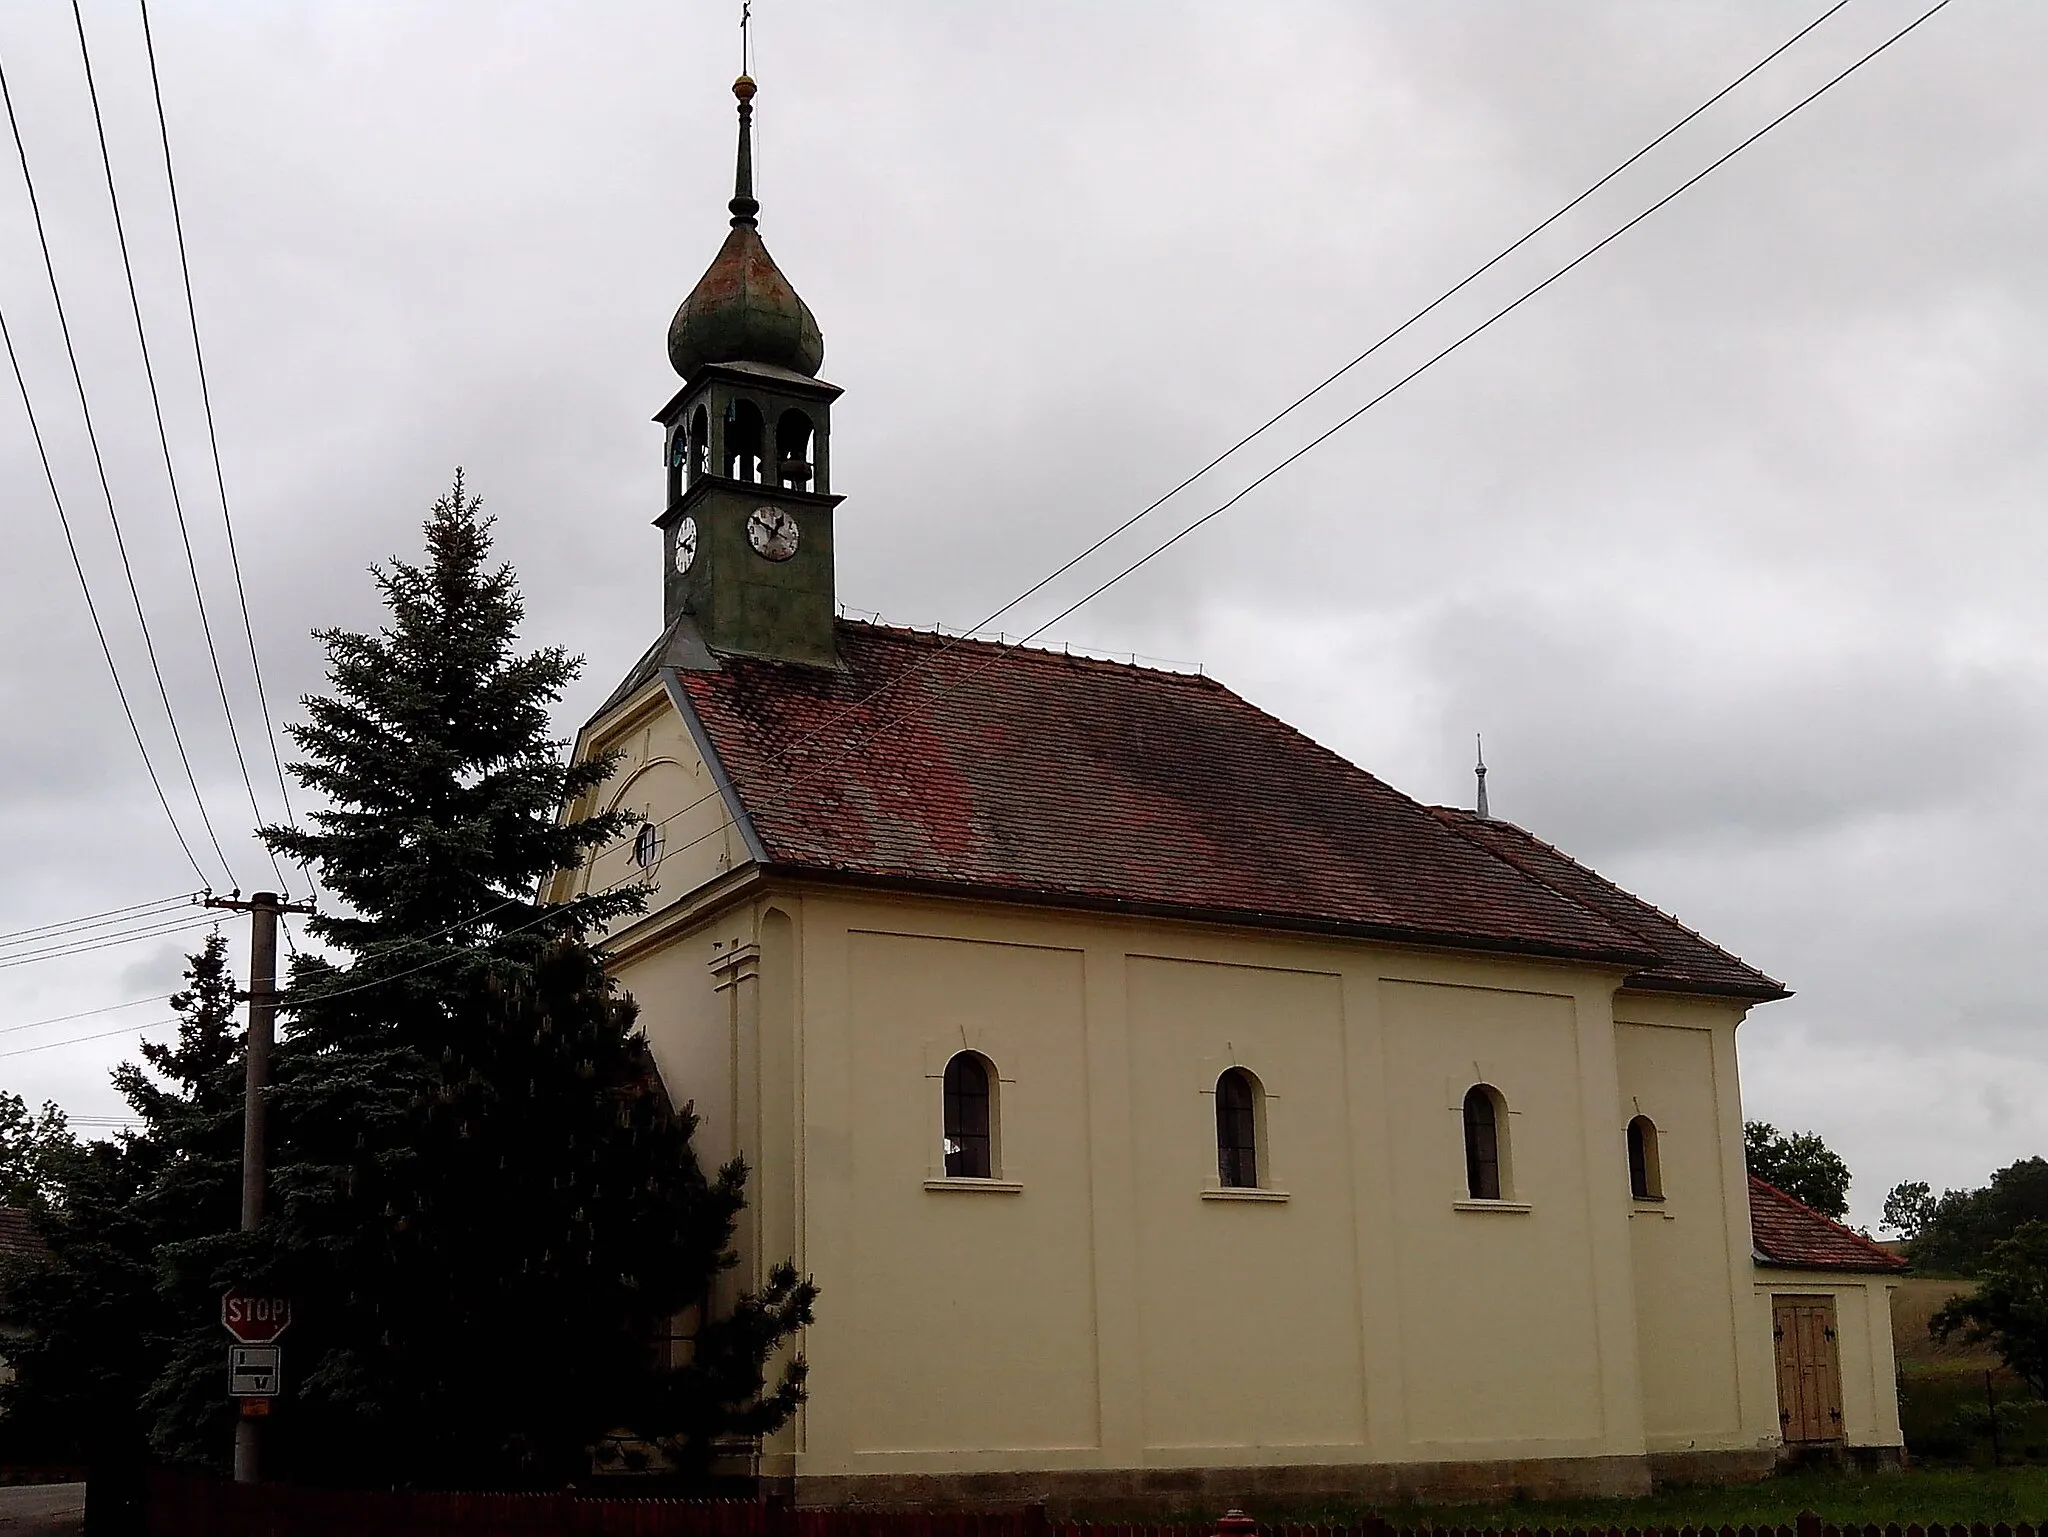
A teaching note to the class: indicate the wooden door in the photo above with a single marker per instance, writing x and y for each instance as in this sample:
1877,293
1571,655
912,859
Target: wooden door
1809,1368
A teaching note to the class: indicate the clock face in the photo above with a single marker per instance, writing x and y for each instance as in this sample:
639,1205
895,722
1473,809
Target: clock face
772,532
686,545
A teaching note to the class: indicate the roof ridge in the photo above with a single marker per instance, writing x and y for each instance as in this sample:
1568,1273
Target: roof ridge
1073,776
1527,874
1041,654
1342,764
1579,864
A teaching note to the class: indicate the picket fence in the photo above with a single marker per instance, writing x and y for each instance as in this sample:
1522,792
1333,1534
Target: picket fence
181,1505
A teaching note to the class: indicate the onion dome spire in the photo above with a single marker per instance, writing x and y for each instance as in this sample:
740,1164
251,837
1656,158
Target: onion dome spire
743,205
743,309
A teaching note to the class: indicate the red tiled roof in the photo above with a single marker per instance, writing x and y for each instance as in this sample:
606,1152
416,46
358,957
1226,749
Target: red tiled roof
1790,1233
1040,776
1687,962
19,1242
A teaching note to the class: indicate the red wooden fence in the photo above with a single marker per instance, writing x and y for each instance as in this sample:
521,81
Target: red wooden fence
182,1505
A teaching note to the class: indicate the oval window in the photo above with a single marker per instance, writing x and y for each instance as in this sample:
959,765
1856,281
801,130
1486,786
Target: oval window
647,846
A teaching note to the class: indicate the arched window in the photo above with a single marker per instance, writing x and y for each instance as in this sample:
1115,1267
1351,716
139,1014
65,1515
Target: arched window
1645,1179
700,442
743,441
970,1117
1485,1113
1237,1130
793,450
678,458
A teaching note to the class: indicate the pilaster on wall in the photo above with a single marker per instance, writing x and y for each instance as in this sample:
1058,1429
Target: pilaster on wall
736,977
778,1181
1120,1404
1372,1177
1756,1374
826,1204
1606,1185
760,981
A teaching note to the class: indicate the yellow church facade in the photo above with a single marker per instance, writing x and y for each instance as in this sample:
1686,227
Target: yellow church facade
1098,1316
1168,1110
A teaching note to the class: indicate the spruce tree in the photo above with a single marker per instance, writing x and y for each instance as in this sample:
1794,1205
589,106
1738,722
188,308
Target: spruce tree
97,1322
483,1199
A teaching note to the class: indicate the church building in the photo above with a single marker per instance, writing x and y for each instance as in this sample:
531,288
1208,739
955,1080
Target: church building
1170,1112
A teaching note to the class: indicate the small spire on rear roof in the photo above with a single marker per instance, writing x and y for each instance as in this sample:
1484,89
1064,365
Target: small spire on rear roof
1479,772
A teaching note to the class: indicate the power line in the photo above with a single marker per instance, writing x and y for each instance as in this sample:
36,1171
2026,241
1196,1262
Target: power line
65,1019
163,435
85,587
89,930
1006,650
80,1040
1497,315
1289,409
213,443
91,919
181,925
1303,399
925,663
1218,459
106,489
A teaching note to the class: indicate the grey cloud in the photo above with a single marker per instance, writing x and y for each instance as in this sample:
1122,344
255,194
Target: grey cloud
1626,731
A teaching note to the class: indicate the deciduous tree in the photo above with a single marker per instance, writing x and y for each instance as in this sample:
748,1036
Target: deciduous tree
1907,1207
2009,1308
1959,1230
1798,1163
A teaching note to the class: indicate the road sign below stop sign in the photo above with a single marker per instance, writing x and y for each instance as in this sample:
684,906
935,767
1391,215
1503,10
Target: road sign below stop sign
255,1319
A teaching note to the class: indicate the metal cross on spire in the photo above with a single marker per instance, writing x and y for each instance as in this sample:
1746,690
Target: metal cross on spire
746,36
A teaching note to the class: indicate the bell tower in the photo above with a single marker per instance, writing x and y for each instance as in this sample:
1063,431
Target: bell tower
747,527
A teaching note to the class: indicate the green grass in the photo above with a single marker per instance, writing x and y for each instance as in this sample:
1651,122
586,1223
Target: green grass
1922,1494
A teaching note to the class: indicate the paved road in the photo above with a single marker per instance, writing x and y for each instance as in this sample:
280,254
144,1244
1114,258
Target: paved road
44,1510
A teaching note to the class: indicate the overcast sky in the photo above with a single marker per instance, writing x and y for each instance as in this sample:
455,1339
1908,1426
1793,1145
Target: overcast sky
1728,542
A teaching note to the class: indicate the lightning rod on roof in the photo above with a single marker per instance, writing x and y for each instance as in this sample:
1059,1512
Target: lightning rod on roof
1479,773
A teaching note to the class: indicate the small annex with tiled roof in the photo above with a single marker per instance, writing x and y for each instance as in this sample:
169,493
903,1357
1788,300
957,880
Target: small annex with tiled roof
1170,1110
1825,1290
1791,1235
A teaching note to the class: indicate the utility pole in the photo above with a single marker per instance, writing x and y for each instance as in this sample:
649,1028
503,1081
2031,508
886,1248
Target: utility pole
263,908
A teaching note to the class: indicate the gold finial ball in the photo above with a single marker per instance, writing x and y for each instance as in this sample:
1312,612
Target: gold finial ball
744,88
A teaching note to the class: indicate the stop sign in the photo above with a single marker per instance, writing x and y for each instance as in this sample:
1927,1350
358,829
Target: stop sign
254,1319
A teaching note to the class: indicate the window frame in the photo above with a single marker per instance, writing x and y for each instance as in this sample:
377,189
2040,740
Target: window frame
1238,1138
1645,1163
1485,1145
960,1165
